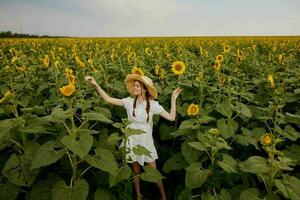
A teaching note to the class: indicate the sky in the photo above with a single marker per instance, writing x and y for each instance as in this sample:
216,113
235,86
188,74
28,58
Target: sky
142,18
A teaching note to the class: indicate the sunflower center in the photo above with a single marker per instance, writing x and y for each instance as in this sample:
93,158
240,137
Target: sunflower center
68,89
193,110
267,140
178,67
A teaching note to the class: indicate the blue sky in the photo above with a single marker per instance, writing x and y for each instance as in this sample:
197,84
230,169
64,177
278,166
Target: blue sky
151,17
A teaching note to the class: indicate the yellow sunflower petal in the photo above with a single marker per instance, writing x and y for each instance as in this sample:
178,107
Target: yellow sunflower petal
178,67
219,58
67,90
271,80
157,67
148,51
193,109
266,139
226,48
46,60
137,70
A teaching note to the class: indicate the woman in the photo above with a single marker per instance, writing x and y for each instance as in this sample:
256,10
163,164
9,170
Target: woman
140,110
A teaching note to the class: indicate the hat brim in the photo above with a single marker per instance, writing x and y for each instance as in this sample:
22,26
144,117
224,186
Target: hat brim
131,78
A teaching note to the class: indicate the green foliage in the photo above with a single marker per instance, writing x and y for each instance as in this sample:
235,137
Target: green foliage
195,176
80,147
78,191
103,194
123,173
104,160
54,147
47,154
151,175
289,186
255,165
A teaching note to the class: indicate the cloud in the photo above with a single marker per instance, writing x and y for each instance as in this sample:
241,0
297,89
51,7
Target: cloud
36,19
155,10
150,18
95,18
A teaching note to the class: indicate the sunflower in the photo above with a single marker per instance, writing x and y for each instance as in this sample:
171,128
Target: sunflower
129,57
217,66
266,139
2,99
6,96
239,56
282,45
113,57
239,59
14,59
68,72
148,51
281,58
53,55
221,79
137,70
79,62
178,67
271,80
226,48
201,51
254,46
270,57
162,73
199,77
214,131
57,64
46,60
219,58
68,89
157,68
193,109
71,79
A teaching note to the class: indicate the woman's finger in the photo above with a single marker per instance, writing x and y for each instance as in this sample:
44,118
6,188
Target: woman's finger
88,78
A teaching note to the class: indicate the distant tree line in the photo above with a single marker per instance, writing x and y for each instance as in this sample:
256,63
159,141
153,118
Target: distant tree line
9,34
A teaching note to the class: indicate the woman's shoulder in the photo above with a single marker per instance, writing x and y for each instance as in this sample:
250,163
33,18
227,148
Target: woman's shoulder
156,108
154,103
128,98
127,101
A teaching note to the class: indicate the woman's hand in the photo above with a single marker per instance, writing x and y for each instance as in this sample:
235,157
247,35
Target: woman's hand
91,80
176,92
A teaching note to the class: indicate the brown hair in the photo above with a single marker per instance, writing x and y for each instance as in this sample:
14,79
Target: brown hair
147,99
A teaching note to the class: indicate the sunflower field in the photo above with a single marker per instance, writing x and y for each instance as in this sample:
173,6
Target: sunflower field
236,133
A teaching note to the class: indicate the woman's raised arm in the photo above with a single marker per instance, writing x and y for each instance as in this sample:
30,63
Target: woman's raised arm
172,115
102,93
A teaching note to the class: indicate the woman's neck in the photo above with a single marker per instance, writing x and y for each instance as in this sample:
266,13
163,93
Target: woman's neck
141,98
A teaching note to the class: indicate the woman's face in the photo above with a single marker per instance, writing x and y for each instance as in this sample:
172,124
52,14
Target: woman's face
138,89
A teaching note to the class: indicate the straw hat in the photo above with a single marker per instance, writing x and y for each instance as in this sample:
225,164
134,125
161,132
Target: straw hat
131,78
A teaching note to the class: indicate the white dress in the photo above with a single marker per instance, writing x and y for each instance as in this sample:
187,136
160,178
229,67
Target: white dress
140,122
